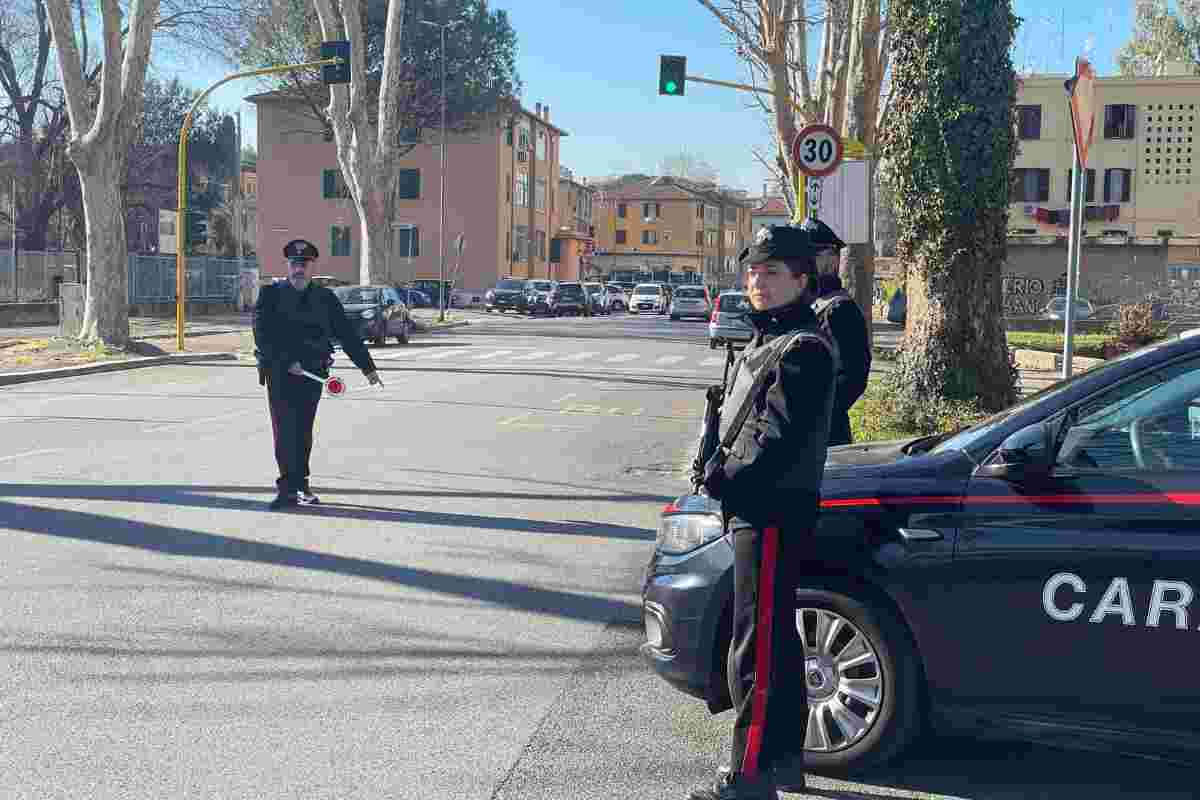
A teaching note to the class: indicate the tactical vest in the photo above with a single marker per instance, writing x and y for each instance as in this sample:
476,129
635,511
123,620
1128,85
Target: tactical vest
305,326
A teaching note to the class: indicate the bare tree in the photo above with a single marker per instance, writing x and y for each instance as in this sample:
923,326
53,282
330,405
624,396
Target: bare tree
841,86
687,165
99,147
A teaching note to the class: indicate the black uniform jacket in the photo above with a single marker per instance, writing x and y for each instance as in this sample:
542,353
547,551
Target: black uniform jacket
843,320
291,326
772,472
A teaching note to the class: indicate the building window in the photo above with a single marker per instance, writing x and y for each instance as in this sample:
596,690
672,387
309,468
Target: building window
699,238
508,133
408,186
541,145
651,211
1031,185
620,238
1118,122
408,241
539,194
711,238
541,244
339,240
1116,185
649,237
522,191
523,138
333,185
700,211
508,188
1029,122
1089,191
712,215
521,251
731,213
508,244
621,210
729,238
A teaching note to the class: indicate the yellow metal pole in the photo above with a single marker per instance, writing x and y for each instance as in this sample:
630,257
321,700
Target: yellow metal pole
181,178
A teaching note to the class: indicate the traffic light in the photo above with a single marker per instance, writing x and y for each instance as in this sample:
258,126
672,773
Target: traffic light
336,73
197,228
672,74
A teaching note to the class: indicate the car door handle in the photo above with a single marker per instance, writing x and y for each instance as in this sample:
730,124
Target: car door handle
919,534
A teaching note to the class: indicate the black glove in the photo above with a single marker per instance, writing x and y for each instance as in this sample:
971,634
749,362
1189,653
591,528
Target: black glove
715,480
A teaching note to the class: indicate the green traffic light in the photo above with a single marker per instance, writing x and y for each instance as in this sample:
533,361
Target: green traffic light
671,87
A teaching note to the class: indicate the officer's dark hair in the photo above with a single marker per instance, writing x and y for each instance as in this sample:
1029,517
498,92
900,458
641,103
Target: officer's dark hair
829,282
801,267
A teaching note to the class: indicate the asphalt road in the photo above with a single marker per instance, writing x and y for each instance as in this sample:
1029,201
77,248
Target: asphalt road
458,620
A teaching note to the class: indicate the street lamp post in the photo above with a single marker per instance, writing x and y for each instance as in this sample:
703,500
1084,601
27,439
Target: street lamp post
442,26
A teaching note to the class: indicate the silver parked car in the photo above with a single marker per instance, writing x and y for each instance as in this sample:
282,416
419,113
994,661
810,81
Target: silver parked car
1057,309
690,301
729,322
649,297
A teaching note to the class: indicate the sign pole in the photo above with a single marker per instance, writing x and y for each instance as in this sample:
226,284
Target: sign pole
1081,100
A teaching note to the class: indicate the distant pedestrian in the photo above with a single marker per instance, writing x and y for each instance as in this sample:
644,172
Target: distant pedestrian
295,325
842,319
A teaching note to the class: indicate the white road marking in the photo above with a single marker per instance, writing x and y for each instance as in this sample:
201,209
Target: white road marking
622,357
712,362
174,426
670,360
395,354
566,397
433,356
532,356
579,357
493,354
32,453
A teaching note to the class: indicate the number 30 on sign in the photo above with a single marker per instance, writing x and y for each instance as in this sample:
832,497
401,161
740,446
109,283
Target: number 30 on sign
817,150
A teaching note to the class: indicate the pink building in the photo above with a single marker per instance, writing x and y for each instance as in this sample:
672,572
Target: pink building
501,193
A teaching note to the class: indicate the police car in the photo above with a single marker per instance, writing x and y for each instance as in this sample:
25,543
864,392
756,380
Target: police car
1034,576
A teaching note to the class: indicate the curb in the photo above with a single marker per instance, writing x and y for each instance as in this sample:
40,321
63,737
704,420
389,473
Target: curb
13,378
423,328
1050,362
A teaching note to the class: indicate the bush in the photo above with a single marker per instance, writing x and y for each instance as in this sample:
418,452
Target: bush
882,414
1089,345
1135,327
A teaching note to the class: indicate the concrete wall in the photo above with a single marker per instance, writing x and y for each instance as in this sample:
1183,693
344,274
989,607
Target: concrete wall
1108,275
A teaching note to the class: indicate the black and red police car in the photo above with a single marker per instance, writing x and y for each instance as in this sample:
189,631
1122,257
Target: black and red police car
1034,576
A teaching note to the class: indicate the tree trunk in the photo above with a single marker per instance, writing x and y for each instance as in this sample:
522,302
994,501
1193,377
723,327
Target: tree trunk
106,313
374,229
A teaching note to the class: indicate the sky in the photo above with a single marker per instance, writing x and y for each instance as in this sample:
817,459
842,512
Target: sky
595,62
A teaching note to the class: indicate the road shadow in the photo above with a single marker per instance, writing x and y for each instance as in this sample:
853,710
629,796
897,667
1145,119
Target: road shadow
200,497
1009,770
175,541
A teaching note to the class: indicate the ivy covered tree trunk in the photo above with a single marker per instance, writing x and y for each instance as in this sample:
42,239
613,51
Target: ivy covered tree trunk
952,143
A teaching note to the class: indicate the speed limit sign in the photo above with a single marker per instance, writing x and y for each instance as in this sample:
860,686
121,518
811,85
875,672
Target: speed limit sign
817,150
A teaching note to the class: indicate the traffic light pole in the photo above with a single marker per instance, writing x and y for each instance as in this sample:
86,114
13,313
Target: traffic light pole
181,189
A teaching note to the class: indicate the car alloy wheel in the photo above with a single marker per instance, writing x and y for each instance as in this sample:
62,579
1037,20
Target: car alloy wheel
843,678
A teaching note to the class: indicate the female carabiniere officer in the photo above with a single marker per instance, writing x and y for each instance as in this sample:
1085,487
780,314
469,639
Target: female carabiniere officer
768,483
295,324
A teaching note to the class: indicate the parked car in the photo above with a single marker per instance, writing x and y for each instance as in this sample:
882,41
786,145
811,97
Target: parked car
414,298
328,280
1062,532
729,322
1057,309
537,295
598,298
376,312
618,300
690,301
507,295
568,297
648,297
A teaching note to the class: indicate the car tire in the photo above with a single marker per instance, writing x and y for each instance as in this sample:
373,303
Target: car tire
488,310
379,341
403,337
674,317
713,344
898,719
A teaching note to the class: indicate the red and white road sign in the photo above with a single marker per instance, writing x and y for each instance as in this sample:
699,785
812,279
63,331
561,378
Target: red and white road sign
817,150
1082,89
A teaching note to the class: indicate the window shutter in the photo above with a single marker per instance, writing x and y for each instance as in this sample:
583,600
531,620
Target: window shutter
1090,191
1126,180
1070,178
1130,116
1043,185
329,184
1107,185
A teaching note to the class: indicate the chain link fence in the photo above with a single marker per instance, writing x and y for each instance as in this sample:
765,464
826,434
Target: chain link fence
212,279
35,276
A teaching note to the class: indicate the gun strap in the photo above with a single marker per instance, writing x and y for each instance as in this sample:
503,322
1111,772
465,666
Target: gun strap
759,380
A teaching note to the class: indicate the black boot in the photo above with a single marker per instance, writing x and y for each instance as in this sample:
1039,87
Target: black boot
734,786
284,500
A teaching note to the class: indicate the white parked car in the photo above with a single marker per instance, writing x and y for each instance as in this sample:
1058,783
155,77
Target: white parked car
1057,309
648,297
690,301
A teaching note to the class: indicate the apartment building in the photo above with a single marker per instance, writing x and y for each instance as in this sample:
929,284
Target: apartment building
501,195
670,225
1142,178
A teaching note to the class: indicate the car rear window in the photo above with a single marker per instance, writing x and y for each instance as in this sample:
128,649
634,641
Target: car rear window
511,285
733,302
354,295
691,294
647,289
541,286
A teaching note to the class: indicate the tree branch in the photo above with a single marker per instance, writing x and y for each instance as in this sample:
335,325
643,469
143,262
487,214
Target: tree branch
733,28
63,29
389,95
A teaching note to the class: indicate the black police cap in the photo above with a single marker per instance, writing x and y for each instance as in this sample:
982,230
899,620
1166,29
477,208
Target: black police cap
300,250
778,242
822,235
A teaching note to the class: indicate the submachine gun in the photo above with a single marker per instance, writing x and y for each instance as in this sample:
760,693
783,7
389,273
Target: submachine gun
710,432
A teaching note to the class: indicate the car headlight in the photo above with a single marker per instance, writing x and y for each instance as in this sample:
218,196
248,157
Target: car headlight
679,533
490,295
368,314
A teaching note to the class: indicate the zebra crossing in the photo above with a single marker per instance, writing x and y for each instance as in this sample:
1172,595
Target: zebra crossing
481,357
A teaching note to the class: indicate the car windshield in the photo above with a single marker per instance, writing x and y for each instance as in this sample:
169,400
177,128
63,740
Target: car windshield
734,303
965,438
654,290
690,294
540,286
356,295
511,285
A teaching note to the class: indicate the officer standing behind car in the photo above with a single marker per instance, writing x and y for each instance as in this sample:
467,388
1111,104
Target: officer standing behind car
768,482
841,319
295,324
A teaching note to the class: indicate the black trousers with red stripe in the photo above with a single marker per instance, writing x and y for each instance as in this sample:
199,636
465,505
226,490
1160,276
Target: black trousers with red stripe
293,400
766,661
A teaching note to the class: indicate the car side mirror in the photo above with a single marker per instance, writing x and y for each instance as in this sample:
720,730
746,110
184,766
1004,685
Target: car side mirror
1023,457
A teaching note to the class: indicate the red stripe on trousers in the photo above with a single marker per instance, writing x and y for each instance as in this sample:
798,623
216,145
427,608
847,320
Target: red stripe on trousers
762,652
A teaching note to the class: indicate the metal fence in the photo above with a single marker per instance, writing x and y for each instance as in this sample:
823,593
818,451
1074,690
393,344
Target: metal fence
36,275
152,278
